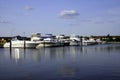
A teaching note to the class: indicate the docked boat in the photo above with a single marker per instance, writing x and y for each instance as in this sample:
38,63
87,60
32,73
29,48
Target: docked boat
48,42
21,44
100,42
90,41
63,40
75,40
36,37
16,43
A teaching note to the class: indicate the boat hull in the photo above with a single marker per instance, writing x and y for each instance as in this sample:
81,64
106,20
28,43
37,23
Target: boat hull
48,44
21,44
89,43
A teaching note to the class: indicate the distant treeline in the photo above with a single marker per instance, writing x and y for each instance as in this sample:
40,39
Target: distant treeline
18,37
112,39
108,38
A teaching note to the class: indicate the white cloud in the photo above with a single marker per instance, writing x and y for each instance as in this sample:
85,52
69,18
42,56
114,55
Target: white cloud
68,14
5,22
28,8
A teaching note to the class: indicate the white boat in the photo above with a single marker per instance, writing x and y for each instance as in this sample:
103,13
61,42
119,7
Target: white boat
75,40
36,37
90,41
63,40
48,42
15,43
21,44
100,42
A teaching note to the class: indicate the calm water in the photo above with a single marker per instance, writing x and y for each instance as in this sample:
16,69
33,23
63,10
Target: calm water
98,62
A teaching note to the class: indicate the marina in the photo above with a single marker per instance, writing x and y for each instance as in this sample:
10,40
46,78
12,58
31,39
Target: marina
50,40
59,39
67,57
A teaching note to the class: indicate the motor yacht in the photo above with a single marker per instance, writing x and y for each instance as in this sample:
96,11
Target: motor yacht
75,40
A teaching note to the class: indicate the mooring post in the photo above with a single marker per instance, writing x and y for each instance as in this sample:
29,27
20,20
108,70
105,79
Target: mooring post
10,45
24,41
24,44
81,41
44,44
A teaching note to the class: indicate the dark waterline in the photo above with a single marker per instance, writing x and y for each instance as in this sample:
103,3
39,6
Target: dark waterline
97,62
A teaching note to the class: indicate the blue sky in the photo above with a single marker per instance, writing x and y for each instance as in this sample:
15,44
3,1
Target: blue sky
81,17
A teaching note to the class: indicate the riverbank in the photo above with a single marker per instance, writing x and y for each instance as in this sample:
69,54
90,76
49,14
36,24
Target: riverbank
112,42
1,45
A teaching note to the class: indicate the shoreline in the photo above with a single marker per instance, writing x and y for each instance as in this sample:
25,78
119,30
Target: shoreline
112,42
1,45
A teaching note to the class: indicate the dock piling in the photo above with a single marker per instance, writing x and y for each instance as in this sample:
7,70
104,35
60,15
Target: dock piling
24,44
10,45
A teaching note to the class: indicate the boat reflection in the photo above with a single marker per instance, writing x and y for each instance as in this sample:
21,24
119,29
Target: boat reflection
59,53
17,54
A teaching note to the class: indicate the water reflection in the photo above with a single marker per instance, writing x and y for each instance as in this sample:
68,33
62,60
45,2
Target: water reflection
68,71
53,53
61,63
59,53
17,54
